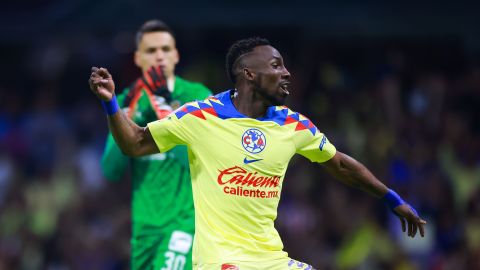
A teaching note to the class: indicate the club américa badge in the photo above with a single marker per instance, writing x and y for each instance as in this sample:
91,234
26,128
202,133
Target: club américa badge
254,141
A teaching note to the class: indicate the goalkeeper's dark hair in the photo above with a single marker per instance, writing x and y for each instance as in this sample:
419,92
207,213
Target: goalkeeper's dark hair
239,48
152,26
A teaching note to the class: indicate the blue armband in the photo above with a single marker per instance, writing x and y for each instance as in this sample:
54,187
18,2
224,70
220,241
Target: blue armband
110,107
392,199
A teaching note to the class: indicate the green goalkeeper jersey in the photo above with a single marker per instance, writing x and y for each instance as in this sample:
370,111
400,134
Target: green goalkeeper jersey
161,182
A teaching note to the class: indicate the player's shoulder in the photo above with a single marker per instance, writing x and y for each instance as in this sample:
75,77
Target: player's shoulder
215,106
285,113
285,116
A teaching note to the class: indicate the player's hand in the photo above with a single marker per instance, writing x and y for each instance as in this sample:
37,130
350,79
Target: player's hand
410,220
101,83
154,79
134,88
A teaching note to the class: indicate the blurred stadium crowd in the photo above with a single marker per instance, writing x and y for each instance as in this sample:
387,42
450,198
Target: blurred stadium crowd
407,107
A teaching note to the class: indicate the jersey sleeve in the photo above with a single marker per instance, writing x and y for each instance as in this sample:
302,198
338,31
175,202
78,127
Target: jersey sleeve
316,147
171,131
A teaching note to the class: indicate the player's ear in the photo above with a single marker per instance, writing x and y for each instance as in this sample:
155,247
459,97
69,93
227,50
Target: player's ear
136,59
177,57
248,74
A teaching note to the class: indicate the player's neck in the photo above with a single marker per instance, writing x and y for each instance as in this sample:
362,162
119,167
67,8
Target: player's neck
171,82
249,104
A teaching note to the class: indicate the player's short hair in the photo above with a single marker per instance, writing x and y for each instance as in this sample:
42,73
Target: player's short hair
152,26
239,48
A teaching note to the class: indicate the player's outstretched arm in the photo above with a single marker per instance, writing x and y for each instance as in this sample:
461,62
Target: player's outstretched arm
353,173
132,139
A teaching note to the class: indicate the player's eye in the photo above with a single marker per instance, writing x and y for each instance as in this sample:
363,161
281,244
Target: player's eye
166,49
275,65
151,50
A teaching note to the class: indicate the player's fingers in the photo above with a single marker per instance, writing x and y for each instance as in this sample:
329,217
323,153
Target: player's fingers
161,70
421,228
94,69
156,75
158,70
95,79
410,227
99,80
156,79
90,83
97,85
151,69
146,79
414,224
93,82
103,72
94,73
149,80
161,74
139,84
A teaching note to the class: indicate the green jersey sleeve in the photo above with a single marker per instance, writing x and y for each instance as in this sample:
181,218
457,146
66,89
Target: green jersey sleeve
114,162
186,91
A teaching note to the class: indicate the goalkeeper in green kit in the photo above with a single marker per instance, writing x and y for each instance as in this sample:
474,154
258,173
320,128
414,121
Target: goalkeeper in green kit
162,203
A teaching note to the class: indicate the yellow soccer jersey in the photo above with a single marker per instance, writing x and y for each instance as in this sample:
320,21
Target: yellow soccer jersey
238,166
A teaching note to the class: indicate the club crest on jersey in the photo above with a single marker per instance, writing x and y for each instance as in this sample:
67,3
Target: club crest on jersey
254,141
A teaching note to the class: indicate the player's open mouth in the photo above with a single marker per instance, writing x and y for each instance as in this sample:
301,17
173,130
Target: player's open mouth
284,86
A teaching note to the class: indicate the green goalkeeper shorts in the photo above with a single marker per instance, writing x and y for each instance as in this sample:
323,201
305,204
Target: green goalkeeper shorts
162,250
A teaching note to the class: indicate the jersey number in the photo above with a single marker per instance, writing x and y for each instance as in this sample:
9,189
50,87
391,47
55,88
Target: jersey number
174,261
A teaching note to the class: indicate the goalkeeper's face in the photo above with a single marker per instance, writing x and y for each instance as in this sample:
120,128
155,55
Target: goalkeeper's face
157,49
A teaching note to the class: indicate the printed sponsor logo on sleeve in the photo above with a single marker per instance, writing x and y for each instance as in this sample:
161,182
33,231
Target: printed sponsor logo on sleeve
323,142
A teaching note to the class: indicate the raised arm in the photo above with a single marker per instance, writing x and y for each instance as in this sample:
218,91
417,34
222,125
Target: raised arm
353,173
132,139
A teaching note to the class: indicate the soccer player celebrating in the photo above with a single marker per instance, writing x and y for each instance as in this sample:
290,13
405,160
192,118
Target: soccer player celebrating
240,142
162,203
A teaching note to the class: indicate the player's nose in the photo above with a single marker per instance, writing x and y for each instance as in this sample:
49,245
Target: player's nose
285,74
159,55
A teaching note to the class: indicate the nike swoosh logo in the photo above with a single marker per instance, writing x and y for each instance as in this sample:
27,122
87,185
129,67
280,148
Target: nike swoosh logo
246,161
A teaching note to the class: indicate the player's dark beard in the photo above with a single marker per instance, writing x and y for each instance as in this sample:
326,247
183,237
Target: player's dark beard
270,99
